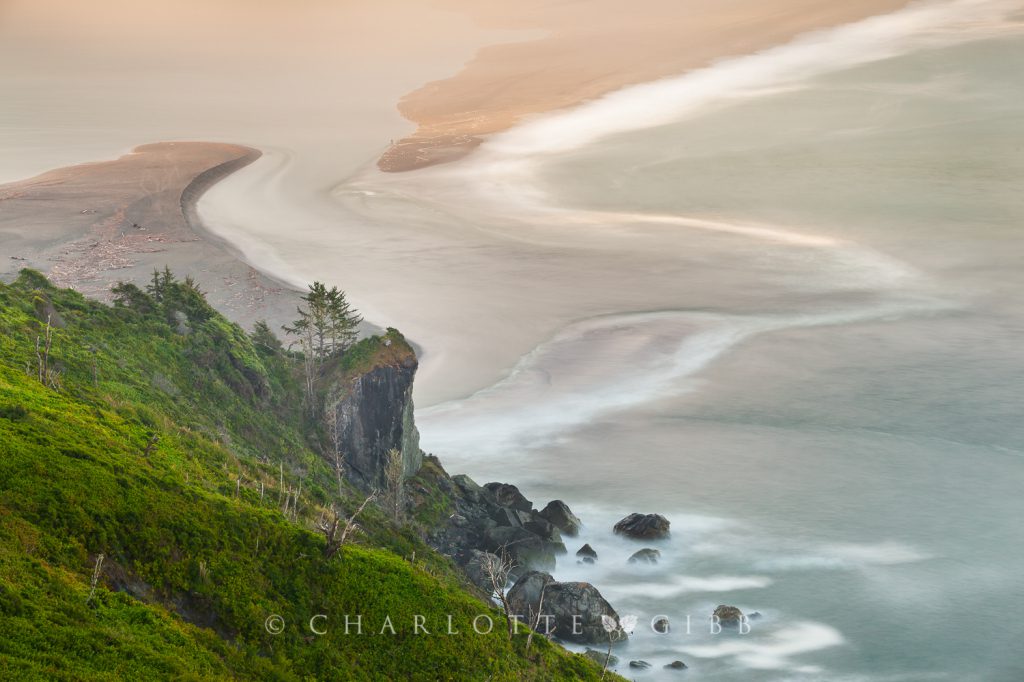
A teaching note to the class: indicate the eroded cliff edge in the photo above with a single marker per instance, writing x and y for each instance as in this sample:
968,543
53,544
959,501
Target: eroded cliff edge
368,400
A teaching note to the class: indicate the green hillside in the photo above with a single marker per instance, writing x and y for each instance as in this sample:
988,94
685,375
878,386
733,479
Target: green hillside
158,436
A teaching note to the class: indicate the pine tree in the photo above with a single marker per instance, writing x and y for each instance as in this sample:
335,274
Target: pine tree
343,321
326,327
329,321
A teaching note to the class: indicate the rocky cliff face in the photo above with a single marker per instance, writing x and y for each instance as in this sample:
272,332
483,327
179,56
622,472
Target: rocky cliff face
369,398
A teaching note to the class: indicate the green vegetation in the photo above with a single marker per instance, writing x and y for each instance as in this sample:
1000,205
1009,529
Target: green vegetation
326,328
170,442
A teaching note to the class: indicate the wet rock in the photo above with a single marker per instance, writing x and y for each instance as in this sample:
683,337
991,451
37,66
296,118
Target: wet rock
676,665
645,556
558,513
661,626
586,551
643,526
754,615
728,616
563,602
639,665
507,495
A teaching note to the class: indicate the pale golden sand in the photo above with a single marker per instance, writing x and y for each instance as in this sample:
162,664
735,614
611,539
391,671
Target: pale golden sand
589,49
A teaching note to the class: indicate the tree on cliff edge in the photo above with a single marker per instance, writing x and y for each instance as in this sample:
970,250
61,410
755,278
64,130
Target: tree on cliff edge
328,324
326,327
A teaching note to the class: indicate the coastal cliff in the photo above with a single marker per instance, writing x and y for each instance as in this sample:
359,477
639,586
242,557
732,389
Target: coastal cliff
167,494
369,399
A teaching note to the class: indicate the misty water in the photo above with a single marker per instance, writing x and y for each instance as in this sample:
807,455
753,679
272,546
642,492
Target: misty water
829,408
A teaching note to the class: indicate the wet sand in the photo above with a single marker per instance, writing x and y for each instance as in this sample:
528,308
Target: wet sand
92,225
588,50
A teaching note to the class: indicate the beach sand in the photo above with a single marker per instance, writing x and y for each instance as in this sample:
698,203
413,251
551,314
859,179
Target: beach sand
587,50
92,225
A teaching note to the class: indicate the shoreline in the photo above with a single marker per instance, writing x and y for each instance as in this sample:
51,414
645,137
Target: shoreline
91,225
506,84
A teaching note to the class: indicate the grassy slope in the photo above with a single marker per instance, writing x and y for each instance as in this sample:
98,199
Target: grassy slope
75,481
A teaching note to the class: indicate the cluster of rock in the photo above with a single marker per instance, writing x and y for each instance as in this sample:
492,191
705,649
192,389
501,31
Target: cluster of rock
638,527
497,519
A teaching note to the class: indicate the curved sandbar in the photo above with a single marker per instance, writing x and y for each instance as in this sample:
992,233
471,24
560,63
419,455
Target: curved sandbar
589,50
91,225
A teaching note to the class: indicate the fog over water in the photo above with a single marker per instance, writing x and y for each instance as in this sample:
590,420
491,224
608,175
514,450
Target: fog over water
776,300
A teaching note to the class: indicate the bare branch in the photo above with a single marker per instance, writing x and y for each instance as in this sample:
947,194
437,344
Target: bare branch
330,527
496,569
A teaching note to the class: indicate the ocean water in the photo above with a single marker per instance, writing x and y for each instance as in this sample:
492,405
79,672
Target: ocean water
799,338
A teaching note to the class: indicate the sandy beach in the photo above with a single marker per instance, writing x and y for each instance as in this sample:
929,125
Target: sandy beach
587,50
91,225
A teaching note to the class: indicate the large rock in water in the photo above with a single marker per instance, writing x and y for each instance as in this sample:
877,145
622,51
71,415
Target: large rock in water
728,616
373,409
643,526
563,601
559,515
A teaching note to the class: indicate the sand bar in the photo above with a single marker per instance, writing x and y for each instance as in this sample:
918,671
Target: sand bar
587,50
91,225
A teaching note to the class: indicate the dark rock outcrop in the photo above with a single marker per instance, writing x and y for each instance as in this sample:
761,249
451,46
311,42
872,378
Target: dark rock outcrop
586,554
661,626
643,526
495,518
559,514
575,609
373,409
676,665
639,665
728,616
645,556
